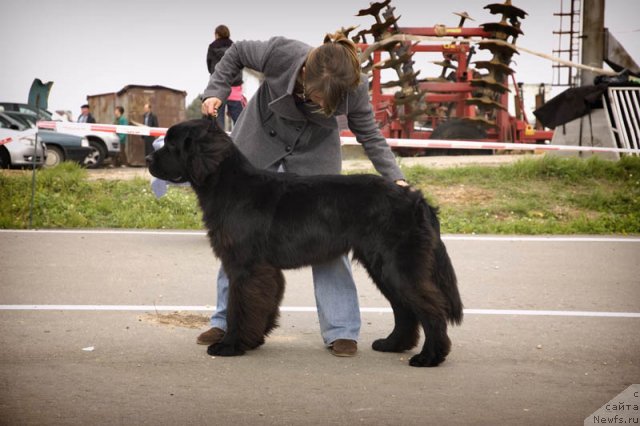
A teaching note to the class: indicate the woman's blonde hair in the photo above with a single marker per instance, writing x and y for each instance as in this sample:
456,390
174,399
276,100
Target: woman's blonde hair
331,71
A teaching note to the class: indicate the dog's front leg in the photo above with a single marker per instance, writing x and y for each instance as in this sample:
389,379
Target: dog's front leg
254,295
226,347
230,345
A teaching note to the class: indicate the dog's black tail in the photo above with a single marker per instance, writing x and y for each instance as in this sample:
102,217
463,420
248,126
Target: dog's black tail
448,283
444,275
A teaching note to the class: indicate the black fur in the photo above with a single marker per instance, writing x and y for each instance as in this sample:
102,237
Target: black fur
261,222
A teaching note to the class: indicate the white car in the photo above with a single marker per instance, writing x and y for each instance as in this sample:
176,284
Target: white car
18,147
103,145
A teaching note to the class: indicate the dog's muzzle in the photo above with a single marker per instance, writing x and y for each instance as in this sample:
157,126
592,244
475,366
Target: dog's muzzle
158,173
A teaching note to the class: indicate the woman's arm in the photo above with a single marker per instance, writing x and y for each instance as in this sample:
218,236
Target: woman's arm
250,54
363,125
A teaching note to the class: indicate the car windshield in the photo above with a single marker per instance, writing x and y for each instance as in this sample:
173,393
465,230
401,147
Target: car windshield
7,122
4,123
25,119
41,113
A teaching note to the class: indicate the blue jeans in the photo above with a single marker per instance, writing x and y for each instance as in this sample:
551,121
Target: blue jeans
336,299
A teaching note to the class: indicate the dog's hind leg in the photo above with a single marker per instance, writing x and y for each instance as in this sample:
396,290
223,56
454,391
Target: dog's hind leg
254,295
426,303
405,333
415,300
429,305
436,345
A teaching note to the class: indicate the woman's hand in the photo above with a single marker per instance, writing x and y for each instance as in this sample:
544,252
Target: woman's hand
405,184
210,106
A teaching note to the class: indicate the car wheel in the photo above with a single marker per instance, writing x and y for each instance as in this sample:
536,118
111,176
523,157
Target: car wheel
55,156
5,158
96,156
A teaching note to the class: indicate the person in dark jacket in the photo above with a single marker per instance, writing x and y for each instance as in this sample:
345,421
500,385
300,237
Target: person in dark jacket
215,53
85,115
291,125
150,120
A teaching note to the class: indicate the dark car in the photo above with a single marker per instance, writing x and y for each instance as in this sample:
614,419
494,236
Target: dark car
60,146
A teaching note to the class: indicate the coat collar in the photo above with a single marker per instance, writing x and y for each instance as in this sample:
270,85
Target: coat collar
285,105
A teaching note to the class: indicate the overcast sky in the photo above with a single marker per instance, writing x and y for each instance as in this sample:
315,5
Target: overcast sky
94,46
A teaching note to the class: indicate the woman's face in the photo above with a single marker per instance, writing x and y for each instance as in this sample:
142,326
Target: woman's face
316,99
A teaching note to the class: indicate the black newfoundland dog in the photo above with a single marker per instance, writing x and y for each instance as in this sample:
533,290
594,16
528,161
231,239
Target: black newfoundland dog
262,222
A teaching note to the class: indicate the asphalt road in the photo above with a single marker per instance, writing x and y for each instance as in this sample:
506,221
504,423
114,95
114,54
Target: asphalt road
551,333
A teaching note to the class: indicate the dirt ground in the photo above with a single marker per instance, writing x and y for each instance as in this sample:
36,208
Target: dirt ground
176,319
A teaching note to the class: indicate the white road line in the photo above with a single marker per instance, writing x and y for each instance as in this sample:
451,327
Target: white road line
525,238
163,308
523,312
544,239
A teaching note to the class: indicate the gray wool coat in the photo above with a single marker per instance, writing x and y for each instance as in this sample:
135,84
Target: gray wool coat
273,129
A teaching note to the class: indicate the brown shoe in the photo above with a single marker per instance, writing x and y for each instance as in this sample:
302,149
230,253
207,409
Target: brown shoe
344,347
211,337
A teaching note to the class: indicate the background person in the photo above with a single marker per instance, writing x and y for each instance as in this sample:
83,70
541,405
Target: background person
150,120
235,100
120,160
290,124
85,115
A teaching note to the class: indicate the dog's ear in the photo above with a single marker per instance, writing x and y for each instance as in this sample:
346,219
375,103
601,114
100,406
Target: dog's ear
205,148
195,165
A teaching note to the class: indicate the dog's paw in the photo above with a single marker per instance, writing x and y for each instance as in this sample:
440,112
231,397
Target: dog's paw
391,345
427,360
224,349
387,345
433,353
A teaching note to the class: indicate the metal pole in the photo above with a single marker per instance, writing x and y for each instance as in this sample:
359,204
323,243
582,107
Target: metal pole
33,168
592,38
33,183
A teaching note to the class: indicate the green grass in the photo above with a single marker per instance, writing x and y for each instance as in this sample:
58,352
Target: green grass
537,196
66,199
533,196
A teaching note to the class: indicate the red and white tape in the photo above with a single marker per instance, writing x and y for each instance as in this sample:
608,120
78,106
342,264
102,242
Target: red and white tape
61,126
394,143
448,144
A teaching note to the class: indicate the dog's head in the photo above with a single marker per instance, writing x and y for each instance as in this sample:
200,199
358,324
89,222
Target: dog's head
192,151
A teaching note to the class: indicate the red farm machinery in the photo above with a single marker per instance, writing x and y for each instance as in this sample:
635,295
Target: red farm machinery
467,101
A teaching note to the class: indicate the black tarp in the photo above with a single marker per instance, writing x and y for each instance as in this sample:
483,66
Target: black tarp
579,101
570,104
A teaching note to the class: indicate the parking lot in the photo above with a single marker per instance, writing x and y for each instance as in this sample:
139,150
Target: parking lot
98,328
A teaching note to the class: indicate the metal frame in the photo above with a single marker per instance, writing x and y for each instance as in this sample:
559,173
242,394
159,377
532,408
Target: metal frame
623,113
